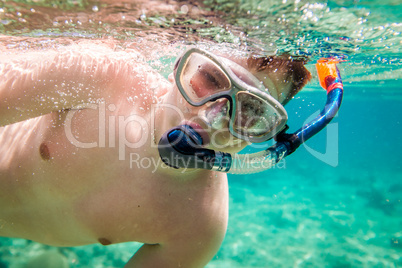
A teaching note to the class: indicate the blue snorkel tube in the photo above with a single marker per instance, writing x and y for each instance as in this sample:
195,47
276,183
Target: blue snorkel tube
182,146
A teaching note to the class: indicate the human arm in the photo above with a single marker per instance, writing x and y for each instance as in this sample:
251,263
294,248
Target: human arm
193,247
191,231
42,81
39,82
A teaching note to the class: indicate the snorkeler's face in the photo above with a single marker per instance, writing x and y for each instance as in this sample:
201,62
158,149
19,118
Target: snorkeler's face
229,94
211,121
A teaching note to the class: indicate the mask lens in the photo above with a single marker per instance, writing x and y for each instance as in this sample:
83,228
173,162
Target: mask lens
254,116
201,78
243,74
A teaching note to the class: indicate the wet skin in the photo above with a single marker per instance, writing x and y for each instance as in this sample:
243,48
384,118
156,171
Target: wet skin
77,172
79,164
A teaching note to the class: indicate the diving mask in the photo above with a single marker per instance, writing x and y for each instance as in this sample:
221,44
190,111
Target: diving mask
254,115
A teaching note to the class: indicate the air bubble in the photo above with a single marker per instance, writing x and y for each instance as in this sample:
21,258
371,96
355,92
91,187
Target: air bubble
184,9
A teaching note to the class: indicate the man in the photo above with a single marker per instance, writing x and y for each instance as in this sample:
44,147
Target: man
79,160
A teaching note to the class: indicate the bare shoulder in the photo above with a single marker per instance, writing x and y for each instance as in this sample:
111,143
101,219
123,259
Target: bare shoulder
54,77
87,56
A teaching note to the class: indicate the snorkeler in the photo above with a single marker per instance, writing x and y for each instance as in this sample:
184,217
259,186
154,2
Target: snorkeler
86,131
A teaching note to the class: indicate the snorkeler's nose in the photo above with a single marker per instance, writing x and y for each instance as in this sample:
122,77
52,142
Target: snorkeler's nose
217,114
220,106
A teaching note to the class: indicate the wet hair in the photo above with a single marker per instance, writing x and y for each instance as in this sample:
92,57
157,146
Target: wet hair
293,71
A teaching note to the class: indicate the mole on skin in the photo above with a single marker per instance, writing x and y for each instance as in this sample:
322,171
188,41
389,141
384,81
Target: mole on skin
44,151
104,241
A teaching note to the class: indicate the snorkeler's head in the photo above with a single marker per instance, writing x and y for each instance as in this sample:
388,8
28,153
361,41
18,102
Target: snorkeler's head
230,96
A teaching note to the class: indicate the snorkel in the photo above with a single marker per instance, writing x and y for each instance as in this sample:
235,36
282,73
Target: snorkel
182,146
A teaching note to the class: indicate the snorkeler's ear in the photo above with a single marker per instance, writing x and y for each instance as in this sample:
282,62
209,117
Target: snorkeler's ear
282,75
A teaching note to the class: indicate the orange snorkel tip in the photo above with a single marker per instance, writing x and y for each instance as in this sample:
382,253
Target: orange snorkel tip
328,74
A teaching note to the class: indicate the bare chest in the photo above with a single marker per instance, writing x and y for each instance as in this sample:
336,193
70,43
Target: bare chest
77,178
54,166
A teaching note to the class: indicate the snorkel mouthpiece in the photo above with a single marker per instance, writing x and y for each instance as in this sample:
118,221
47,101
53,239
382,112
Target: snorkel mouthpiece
182,146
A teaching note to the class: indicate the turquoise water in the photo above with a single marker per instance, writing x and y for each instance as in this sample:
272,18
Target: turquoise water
327,205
